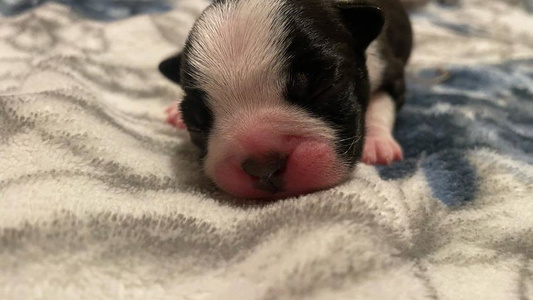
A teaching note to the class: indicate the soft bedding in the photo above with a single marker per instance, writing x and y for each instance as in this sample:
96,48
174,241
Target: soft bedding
100,199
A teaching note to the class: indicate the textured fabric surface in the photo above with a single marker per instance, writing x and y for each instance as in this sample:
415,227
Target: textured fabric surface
99,199
104,10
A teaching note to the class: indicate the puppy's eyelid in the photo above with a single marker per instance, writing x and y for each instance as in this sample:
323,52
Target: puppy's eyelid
299,79
321,91
195,129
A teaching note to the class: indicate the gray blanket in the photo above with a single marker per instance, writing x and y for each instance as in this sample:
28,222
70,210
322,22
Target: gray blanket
100,199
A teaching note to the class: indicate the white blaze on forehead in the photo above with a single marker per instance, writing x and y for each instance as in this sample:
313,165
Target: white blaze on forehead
237,51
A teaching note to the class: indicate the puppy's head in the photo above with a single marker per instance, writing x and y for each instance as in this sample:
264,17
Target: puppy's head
275,92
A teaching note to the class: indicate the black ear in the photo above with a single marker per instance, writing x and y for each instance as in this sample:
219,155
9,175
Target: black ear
365,22
170,67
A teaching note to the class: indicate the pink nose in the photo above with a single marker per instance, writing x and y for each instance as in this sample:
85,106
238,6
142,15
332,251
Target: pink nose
275,169
266,172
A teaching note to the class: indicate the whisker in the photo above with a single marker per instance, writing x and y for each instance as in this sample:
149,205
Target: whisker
352,144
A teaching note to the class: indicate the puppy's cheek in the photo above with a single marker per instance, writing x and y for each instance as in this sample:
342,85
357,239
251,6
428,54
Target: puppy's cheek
312,166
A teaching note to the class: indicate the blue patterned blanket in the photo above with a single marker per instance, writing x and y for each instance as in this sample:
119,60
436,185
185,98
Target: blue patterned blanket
100,199
104,10
468,108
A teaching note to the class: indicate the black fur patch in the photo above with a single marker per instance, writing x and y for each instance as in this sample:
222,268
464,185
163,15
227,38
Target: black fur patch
327,69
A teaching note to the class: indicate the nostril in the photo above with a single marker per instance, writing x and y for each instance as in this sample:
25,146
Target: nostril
264,166
266,171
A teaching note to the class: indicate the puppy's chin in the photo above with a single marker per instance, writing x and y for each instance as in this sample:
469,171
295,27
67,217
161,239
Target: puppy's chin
273,153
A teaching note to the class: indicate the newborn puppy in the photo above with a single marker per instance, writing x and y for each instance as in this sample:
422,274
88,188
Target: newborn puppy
284,97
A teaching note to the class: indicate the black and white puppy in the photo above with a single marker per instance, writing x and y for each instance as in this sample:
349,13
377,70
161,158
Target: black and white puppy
284,97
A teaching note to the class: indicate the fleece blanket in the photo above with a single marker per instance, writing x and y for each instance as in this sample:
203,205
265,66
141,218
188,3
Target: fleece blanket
100,199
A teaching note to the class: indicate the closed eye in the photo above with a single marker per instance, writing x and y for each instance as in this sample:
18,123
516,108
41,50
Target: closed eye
199,138
195,130
322,91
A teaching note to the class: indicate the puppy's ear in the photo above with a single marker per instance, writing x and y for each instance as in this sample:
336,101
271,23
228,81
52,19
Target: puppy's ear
365,22
170,68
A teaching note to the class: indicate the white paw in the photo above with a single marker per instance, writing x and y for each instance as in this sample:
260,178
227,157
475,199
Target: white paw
174,116
381,148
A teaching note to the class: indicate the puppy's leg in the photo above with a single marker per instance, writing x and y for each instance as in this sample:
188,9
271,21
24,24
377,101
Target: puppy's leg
174,116
380,146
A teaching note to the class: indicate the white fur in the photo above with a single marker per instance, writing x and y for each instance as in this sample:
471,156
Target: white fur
381,112
238,52
375,65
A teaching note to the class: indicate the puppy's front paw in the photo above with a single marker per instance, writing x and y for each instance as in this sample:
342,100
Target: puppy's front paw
174,116
381,149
